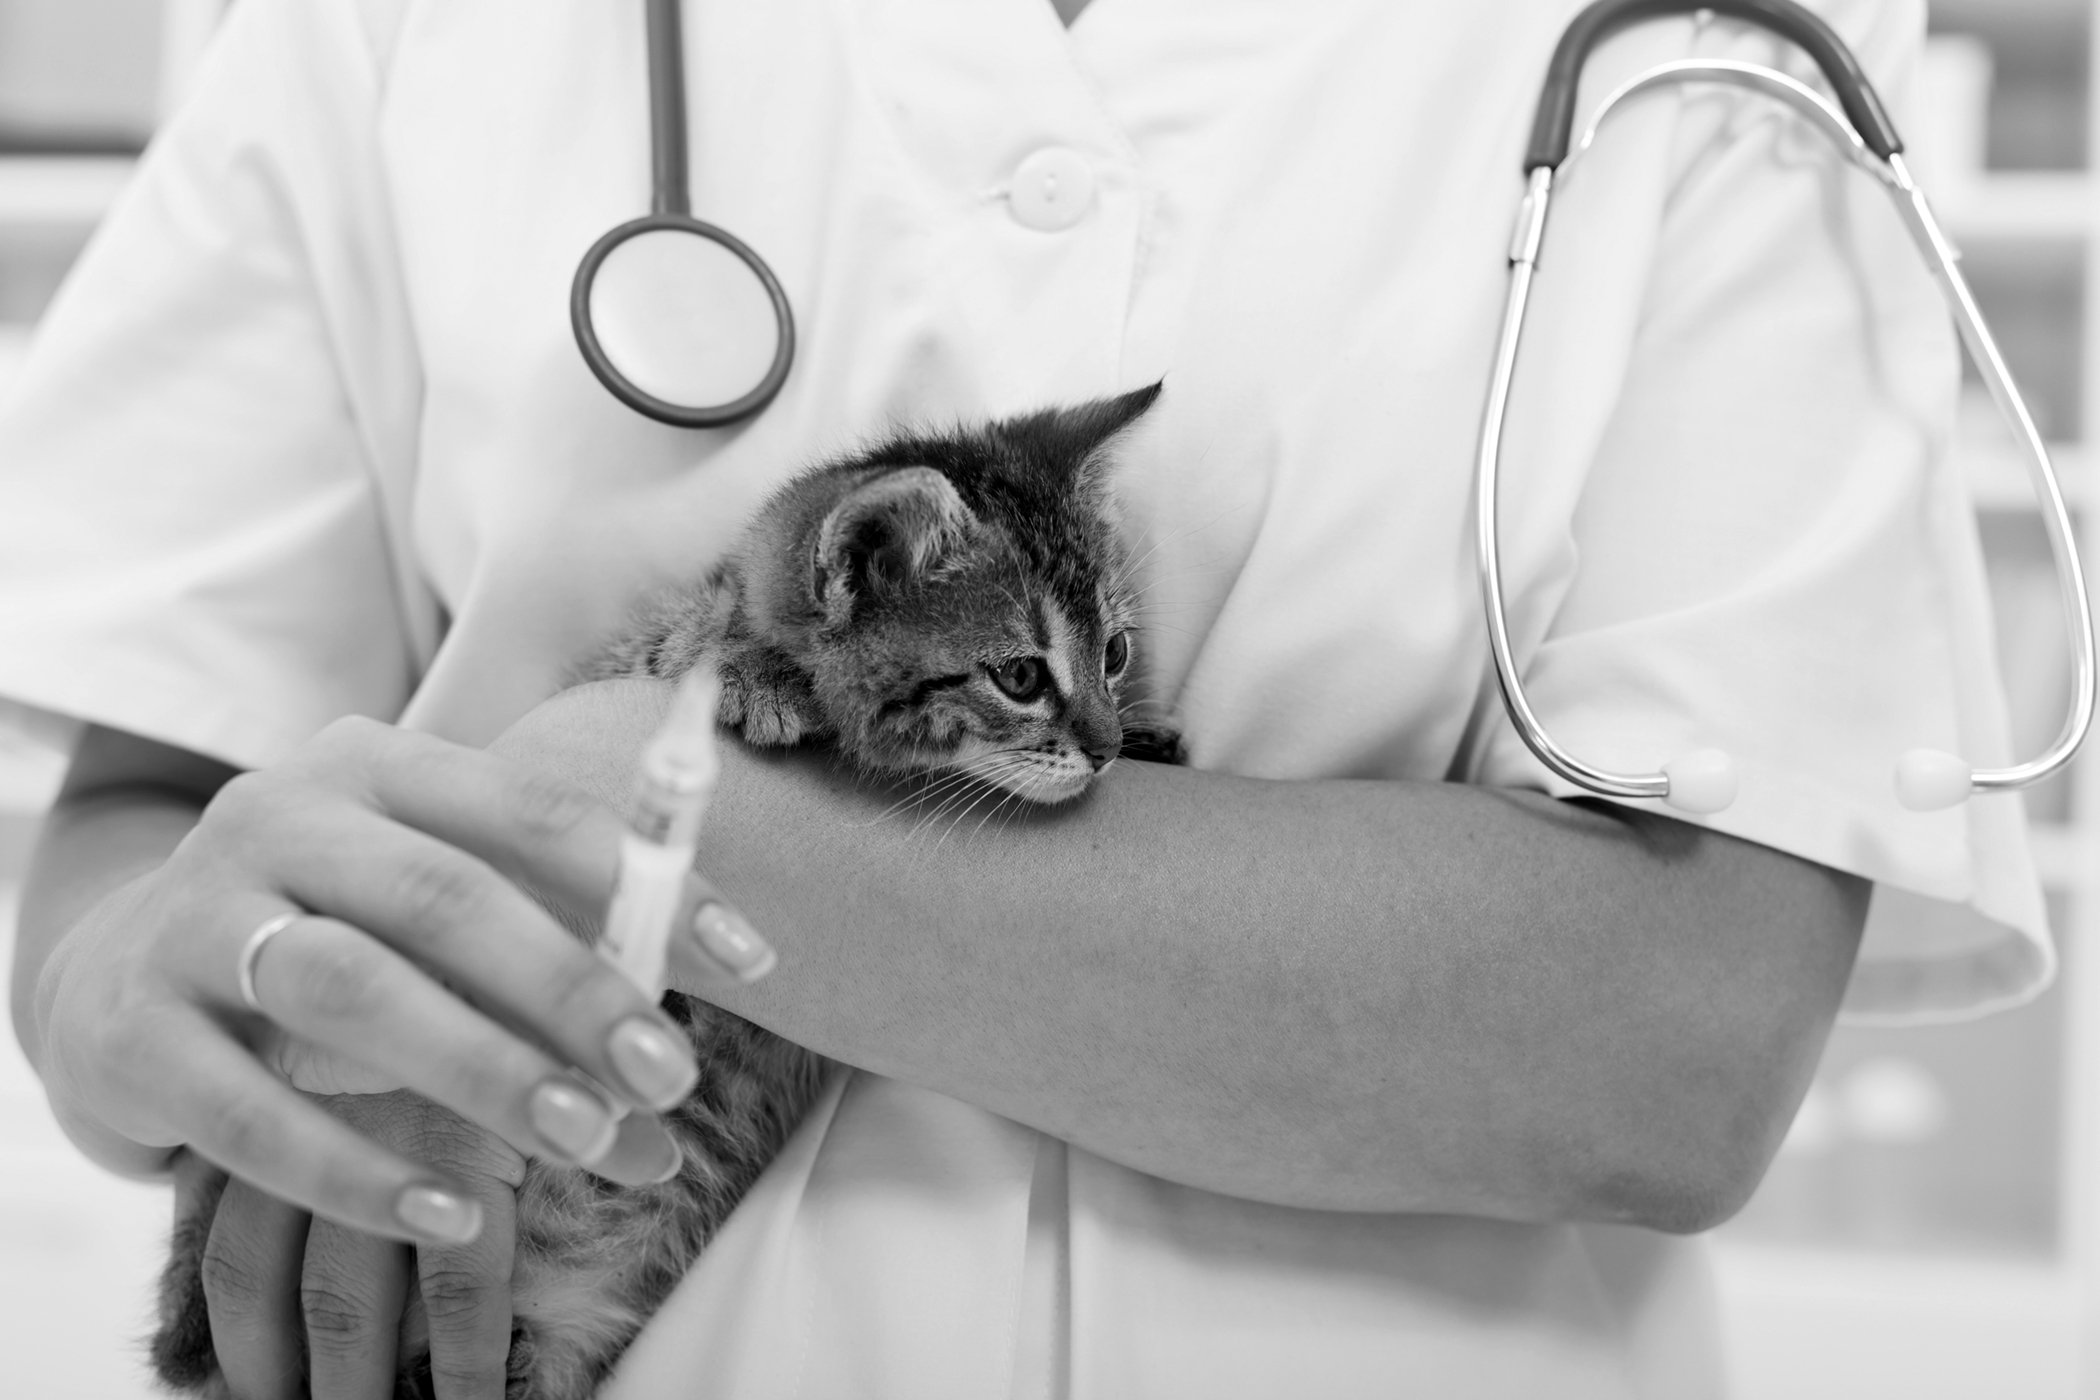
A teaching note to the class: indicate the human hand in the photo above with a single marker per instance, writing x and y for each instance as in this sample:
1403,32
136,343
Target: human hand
591,736
417,963
282,1307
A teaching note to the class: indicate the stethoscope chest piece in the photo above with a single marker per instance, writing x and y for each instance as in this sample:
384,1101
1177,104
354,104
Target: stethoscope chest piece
682,321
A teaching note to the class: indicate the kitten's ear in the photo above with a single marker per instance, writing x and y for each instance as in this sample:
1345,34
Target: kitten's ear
886,531
1095,423
1074,436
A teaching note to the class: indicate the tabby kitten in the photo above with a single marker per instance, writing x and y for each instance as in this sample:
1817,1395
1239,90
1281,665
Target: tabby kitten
950,603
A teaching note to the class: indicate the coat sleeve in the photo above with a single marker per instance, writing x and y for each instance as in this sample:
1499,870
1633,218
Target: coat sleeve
204,464
1774,553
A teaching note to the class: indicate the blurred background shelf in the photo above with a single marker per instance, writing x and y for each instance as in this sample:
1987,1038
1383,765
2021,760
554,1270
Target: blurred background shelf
2015,207
66,192
1931,1228
2064,857
1998,480
1983,1330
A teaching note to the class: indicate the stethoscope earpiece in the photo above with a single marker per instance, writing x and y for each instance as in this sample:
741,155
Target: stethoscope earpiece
1702,782
1931,780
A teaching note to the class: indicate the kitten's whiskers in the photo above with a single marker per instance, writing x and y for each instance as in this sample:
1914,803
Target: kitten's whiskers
925,787
990,790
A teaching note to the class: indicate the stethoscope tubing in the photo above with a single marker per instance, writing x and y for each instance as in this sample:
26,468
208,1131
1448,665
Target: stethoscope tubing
1555,121
2041,474
1524,254
670,204
669,191
1925,778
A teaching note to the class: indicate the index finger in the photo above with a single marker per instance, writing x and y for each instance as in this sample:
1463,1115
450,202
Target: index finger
551,837
256,1127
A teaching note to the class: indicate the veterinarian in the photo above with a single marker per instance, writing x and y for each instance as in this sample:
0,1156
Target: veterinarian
1351,1060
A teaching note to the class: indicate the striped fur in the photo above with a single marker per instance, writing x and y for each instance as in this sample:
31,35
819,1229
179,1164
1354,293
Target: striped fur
873,601
955,604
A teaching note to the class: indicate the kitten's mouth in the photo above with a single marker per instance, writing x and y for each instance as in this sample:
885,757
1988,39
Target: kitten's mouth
1044,778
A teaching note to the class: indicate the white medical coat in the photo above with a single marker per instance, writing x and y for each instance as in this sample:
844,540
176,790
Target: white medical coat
307,434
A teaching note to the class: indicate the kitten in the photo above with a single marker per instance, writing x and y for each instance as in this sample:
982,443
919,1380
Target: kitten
944,603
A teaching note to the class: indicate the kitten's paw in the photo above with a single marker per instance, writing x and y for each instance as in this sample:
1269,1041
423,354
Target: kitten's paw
770,709
1153,744
769,724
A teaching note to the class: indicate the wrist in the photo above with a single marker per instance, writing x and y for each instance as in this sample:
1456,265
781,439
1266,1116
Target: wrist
591,735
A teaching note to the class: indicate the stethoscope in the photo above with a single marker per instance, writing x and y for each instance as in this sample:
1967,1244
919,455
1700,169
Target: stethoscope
681,320
686,323
1705,780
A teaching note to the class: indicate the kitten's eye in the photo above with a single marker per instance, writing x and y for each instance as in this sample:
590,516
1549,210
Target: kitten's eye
1023,678
1117,656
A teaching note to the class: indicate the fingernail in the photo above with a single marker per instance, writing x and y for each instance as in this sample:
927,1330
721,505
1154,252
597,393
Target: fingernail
652,1062
571,1121
438,1215
677,1161
730,942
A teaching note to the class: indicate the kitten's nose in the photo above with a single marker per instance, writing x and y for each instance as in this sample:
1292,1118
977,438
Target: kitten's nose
1100,733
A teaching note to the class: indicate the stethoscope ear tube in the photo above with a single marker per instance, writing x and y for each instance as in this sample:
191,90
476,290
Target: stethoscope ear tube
1927,779
1554,125
1700,782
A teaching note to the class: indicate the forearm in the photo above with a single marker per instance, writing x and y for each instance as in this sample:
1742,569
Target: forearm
1380,996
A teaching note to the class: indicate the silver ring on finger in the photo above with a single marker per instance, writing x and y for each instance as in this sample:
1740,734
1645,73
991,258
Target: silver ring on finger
251,951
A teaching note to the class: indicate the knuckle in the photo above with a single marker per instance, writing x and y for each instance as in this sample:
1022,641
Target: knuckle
244,1131
127,1055
124,1040
235,1284
547,807
349,736
501,1163
456,1293
485,1082
449,1141
337,1319
438,893
594,998
459,1375
253,818
396,1118
343,748
338,979
244,802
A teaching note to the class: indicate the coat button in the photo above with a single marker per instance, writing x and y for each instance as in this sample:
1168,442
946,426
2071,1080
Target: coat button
1053,189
